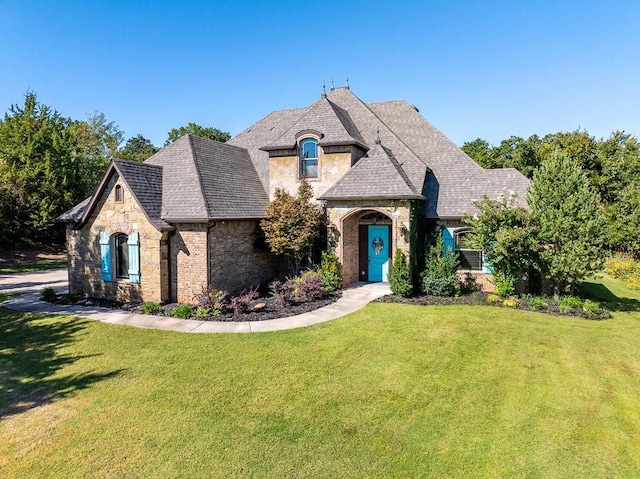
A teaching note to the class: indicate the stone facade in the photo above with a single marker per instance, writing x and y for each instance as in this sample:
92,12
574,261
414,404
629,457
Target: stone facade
344,220
83,246
188,259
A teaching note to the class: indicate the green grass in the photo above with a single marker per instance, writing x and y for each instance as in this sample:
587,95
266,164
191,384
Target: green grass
390,391
40,265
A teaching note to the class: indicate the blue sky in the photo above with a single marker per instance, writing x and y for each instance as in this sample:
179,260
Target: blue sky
474,69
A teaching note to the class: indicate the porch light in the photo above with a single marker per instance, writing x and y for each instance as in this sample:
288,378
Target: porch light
404,226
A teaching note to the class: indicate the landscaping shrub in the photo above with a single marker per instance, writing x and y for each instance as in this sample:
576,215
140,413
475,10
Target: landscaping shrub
202,312
569,303
150,308
400,276
69,298
308,286
48,294
212,300
468,285
493,299
184,311
282,292
439,276
330,271
505,284
240,304
512,302
538,303
593,310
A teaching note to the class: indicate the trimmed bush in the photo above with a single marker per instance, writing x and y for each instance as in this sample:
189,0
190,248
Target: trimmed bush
400,276
150,308
330,271
439,286
184,311
48,294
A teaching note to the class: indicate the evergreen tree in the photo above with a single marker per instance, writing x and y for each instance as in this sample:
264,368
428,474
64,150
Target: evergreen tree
39,175
570,221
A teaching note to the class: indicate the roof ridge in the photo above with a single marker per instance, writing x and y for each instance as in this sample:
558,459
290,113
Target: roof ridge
394,133
398,167
208,208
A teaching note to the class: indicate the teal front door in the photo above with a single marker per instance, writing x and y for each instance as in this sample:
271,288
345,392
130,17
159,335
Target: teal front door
378,239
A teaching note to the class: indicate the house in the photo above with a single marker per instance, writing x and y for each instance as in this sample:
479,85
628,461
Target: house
189,216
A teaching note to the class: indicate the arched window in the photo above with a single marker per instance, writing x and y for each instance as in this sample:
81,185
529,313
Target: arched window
309,158
119,197
121,247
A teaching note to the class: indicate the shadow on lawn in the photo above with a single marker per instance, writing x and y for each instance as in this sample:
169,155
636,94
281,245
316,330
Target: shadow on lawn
604,294
30,361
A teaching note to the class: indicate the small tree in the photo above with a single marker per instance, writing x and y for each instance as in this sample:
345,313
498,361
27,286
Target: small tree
400,276
439,276
571,223
507,235
330,271
292,224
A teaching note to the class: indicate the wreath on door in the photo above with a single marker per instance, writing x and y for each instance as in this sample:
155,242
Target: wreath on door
378,245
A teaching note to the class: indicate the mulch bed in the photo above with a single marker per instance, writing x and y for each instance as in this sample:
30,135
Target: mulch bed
260,309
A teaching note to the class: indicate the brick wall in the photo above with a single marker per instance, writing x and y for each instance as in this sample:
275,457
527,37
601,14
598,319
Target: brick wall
188,260
234,261
345,217
83,248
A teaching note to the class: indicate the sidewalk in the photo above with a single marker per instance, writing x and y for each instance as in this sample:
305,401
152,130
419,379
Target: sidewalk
30,284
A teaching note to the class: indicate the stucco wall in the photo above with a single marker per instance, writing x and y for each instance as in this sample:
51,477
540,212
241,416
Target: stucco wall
344,218
83,248
284,171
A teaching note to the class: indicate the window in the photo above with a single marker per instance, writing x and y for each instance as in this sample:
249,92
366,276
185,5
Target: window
469,258
309,158
121,243
120,254
119,197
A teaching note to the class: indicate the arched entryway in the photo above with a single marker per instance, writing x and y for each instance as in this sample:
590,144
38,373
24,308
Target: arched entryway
367,246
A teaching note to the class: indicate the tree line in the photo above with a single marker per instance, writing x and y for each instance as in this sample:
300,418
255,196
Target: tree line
49,163
611,165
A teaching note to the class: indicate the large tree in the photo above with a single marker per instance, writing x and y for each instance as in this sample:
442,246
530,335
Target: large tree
292,224
570,221
40,174
137,148
197,130
96,141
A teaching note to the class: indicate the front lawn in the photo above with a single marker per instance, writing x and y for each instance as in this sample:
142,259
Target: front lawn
389,391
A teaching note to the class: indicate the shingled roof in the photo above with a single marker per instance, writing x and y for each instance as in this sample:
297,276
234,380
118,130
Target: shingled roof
207,180
377,175
145,183
198,179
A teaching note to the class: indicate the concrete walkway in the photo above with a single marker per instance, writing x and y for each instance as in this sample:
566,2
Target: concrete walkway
30,285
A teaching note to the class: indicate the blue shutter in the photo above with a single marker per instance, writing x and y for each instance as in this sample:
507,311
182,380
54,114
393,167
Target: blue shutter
449,242
486,266
105,256
134,257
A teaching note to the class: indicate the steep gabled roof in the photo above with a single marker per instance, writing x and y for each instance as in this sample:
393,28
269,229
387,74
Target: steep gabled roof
372,127
207,180
262,133
145,183
333,122
455,180
377,175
